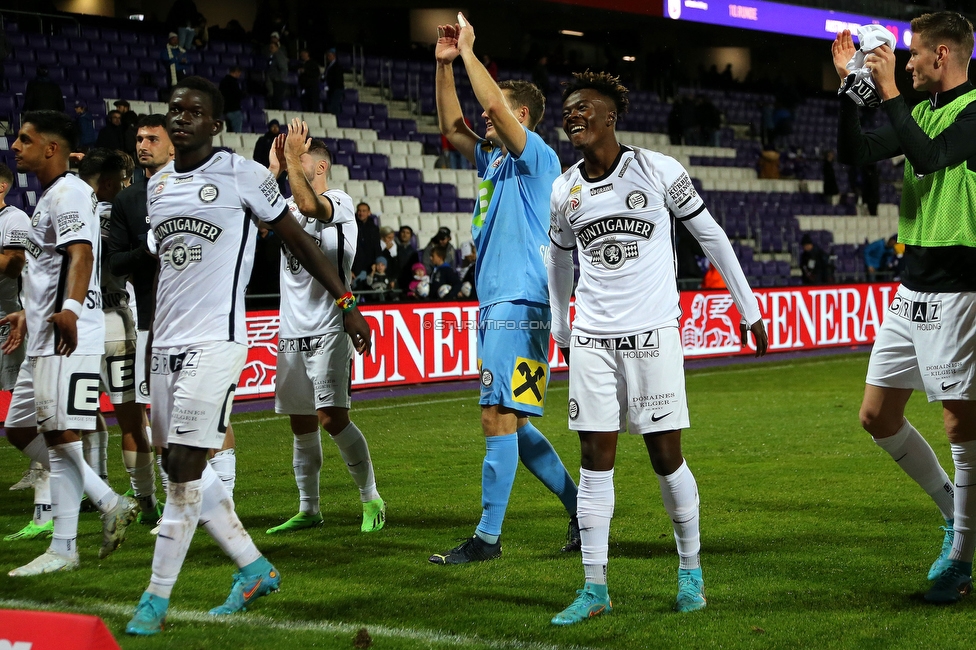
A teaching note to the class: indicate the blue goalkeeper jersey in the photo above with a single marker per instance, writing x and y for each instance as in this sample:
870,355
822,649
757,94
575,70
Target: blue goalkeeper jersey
510,224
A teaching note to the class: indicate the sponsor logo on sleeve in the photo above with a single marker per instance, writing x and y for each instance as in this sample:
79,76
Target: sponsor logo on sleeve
183,179
682,191
602,189
269,188
18,237
69,222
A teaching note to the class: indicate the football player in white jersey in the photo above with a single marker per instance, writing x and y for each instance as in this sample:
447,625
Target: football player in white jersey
314,354
14,224
617,208
57,388
203,212
103,169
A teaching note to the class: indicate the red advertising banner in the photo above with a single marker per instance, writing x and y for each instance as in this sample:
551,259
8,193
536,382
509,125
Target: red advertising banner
417,343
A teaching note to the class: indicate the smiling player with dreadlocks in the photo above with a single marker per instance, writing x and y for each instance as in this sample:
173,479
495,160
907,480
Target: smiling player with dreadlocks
618,207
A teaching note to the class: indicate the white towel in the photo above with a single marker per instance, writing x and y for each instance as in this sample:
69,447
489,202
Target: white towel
859,85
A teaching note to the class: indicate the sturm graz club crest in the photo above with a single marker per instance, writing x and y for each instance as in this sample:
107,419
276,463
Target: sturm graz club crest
573,409
486,377
613,254
208,193
636,200
294,266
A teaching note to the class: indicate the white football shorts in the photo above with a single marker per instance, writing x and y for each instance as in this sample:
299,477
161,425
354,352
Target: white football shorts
636,380
56,393
192,390
927,342
314,372
118,364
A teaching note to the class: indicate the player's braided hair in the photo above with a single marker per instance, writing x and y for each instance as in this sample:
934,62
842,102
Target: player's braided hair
604,83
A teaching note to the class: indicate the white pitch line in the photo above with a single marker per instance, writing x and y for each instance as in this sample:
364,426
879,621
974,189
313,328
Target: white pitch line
402,405
264,622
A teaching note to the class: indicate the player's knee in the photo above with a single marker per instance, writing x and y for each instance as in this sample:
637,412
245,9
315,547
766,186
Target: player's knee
960,422
875,422
334,420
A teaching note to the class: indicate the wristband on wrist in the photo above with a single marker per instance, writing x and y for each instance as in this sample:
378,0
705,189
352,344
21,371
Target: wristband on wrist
346,302
73,306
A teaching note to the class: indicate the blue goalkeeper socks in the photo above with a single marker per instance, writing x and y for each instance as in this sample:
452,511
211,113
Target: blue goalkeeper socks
543,461
497,477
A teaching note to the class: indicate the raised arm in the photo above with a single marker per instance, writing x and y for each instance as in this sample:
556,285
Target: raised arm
309,203
490,96
450,118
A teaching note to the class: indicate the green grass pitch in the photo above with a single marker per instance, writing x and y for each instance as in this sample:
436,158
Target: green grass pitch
811,536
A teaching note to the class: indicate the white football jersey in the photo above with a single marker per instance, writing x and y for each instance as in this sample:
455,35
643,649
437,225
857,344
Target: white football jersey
14,225
65,215
621,224
307,309
203,226
115,296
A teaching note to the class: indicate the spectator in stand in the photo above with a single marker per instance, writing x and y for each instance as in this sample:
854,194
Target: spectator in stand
871,187
112,135
230,88
469,255
878,256
419,285
830,187
367,242
262,148
174,57
390,252
309,76
378,280
86,126
335,84
200,35
814,264
43,93
129,120
444,281
769,162
491,67
443,239
407,254
709,120
276,76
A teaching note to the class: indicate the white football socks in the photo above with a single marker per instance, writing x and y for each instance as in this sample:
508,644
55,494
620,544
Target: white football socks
594,510
915,456
37,451
101,494
67,485
43,512
163,476
218,518
964,540
354,450
225,464
142,476
307,462
180,516
680,494
96,451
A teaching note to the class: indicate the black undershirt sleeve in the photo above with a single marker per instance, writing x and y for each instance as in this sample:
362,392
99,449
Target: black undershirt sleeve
954,145
855,147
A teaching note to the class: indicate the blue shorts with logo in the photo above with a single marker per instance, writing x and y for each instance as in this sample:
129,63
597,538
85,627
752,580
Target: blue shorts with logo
513,355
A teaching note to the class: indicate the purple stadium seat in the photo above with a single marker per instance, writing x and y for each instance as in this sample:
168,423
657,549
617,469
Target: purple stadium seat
13,70
412,189
109,61
119,49
429,205
108,90
130,38
357,173
37,42
342,158
347,145
430,190
68,59
465,205
392,189
118,78
448,204
47,57
414,176
448,192
378,161
395,175
376,175
99,47
360,122
98,76
378,123
346,121
147,94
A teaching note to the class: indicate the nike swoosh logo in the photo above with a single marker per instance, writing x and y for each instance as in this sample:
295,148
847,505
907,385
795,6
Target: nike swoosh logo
248,594
945,388
40,422
180,431
321,398
656,417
